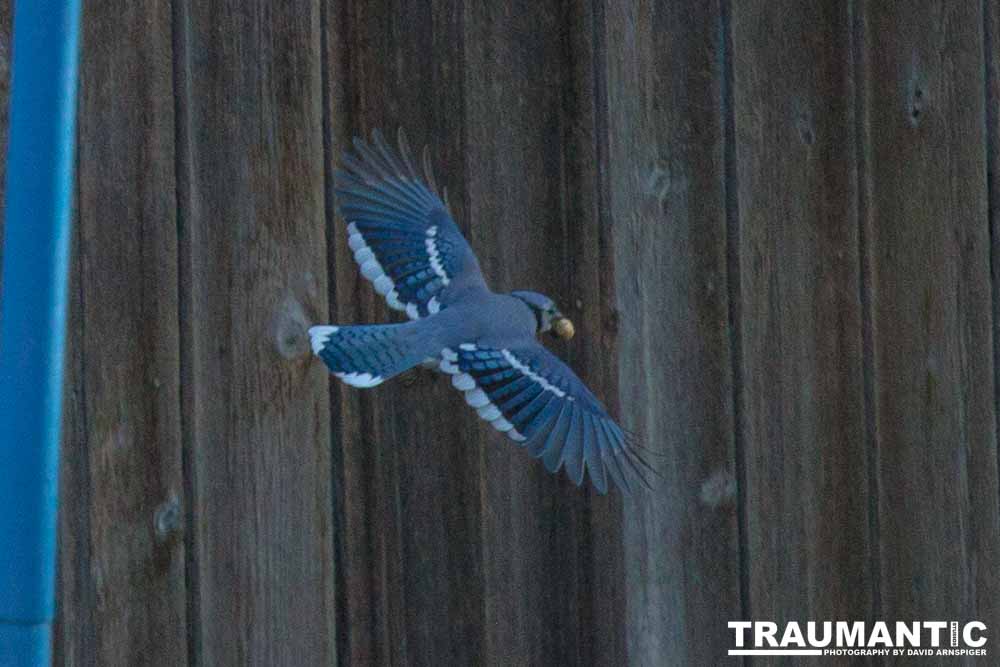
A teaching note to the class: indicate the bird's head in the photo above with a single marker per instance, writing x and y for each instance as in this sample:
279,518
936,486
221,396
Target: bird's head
547,315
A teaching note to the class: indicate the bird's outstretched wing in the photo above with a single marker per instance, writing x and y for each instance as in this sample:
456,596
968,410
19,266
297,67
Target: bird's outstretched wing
533,397
401,232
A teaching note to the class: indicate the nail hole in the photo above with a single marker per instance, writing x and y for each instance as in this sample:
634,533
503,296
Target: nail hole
167,518
918,100
916,90
803,119
808,137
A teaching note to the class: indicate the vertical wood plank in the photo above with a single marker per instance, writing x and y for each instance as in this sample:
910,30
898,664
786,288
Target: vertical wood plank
532,558
929,261
552,570
254,266
513,144
666,171
991,52
74,592
122,550
584,147
408,492
584,285
805,449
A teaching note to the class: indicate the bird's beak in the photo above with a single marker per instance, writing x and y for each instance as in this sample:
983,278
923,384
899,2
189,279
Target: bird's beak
562,327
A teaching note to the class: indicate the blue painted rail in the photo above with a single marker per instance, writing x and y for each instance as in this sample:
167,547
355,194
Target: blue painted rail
33,319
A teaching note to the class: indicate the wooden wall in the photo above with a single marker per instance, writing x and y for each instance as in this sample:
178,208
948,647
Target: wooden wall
774,222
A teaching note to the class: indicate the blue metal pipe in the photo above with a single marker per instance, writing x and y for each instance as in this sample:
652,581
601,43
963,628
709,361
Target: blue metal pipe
33,319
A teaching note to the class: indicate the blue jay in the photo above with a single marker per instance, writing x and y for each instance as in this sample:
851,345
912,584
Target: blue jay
407,244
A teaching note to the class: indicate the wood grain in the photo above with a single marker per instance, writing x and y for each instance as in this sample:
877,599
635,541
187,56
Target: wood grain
774,224
929,260
75,596
553,563
122,488
587,292
257,430
425,460
667,191
803,416
408,489
991,35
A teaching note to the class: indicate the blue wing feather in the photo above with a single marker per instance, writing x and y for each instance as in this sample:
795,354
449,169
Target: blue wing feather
403,237
541,422
539,402
514,406
613,457
572,458
592,454
555,442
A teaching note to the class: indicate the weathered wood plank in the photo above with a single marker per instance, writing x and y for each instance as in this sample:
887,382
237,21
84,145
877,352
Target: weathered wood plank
75,593
122,555
584,286
803,415
991,23
408,491
666,171
929,258
439,539
254,265
552,570
584,147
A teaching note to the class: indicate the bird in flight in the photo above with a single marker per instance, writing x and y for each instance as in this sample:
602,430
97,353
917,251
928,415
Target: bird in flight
407,244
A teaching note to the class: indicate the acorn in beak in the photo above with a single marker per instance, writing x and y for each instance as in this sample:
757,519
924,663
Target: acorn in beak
562,327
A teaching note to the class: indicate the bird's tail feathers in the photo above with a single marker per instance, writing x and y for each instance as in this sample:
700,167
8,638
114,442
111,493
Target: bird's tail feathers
366,355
